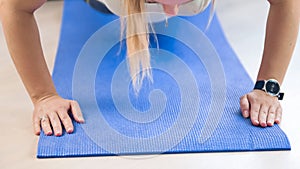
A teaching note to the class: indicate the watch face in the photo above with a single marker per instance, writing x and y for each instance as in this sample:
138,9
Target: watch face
272,87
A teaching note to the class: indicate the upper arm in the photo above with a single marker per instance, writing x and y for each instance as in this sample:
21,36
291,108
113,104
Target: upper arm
293,5
20,5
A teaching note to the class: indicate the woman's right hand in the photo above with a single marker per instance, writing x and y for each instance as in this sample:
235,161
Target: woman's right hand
52,114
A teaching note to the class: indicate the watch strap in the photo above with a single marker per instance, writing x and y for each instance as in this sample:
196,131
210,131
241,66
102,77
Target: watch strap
259,85
280,96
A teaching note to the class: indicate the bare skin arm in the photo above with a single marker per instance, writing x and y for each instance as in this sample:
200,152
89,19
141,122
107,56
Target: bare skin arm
24,44
281,35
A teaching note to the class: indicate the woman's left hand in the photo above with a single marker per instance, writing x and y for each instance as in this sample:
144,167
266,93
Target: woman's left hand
264,110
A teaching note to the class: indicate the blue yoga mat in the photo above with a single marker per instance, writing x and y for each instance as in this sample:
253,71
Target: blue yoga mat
191,106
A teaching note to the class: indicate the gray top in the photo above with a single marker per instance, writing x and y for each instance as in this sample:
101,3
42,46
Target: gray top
187,9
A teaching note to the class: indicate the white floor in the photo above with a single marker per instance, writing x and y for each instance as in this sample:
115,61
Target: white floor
244,25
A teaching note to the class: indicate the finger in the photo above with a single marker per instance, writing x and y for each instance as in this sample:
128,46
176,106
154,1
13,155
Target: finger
55,123
278,115
263,114
45,123
66,121
254,112
244,105
77,114
271,116
36,125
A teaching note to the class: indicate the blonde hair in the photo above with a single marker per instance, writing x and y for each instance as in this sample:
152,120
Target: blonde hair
137,40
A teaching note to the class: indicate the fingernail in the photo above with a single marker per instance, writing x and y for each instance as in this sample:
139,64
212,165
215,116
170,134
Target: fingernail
81,119
49,133
58,134
246,113
69,130
270,123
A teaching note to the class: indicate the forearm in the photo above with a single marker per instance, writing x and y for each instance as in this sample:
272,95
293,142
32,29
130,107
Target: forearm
23,41
281,34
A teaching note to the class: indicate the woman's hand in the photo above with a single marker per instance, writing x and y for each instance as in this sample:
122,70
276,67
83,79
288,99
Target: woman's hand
264,110
51,113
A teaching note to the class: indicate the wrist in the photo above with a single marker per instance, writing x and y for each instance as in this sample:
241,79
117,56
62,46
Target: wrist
270,86
35,98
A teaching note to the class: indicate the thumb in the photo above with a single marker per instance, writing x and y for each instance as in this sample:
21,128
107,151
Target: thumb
76,112
244,105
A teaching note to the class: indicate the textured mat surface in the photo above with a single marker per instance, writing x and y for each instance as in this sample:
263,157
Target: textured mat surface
191,106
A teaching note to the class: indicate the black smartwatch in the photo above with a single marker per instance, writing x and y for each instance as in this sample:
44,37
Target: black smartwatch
270,86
